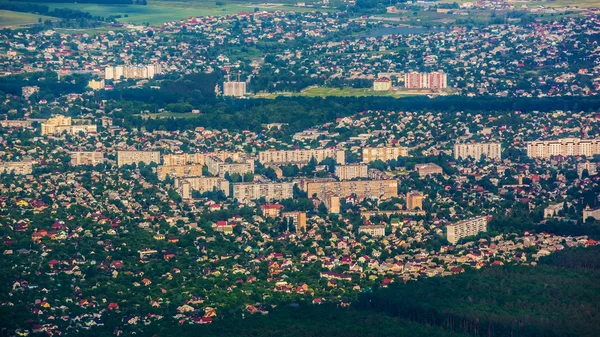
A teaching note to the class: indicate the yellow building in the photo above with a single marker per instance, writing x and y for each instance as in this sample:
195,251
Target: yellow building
136,157
180,171
301,156
201,184
17,167
87,158
385,153
351,171
331,201
414,200
59,124
96,85
298,219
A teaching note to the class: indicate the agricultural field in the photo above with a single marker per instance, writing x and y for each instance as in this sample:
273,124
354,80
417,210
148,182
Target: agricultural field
17,19
349,92
158,12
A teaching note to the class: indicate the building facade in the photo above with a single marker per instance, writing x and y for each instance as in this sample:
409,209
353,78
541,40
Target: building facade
134,72
371,154
16,167
298,219
476,150
185,186
136,157
235,89
351,171
301,156
179,171
373,230
60,124
245,192
464,228
433,80
87,158
563,147
591,213
382,84
414,200
428,168
219,167
374,189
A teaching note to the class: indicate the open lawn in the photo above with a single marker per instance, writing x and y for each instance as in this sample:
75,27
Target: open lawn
348,92
16,19
158,12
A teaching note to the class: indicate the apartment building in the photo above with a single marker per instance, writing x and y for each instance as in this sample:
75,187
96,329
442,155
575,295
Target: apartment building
96,85
382,84
433,80
427,169
17,167
476,150
134,72
219,167
271,210
414,200
200,158
592,168
385,153
563,147
59,124
185,186
234,88
375,189
180,171
298,219
591,213
136,157
301,156
331,201
373,230
464,228
87,158
302,183
245,192
351,171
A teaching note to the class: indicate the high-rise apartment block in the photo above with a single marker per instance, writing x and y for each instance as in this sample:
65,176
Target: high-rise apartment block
592,168
245,192
60,124
200,184
136,157
179,171
298,219
17,167
87,158
235,89
374,189
370,154
414,200
200,158
351,171
563,147
301,156
433,80
331,201
134,72
96,85
464,228
476,150
220,167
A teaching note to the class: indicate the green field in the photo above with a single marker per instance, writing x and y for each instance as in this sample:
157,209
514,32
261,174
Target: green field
15,19
348,92
158,12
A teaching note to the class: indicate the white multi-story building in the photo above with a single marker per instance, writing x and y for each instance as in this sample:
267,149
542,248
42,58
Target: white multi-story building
131,157
235,89
464,228
301,156
476,150
563,147
87,158
135,72
245,192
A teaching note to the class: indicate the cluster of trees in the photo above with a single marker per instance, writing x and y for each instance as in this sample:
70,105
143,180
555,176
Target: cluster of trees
557,298
302,112
63,13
